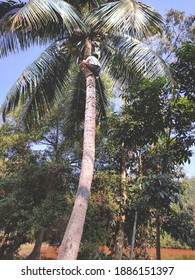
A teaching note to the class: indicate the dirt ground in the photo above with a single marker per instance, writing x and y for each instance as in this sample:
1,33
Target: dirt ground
50,252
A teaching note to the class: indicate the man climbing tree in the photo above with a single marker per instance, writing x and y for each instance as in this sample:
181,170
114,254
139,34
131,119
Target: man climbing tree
93,64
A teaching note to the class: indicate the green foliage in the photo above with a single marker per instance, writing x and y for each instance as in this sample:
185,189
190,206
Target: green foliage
169,242
34,192
184,69
101,219
180,226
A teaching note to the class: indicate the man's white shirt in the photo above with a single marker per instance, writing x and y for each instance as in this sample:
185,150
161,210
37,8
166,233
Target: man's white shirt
93,60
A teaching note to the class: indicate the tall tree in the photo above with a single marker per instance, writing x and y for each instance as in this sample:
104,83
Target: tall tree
73,32
178,29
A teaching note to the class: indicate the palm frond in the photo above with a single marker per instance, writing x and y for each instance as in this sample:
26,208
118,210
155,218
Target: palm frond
101,99
37,14
14,42
40,84
37,24
80,4
125,16
76,97
129,59
8,6
8,41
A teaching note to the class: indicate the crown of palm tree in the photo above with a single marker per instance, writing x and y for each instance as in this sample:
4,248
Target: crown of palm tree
117,27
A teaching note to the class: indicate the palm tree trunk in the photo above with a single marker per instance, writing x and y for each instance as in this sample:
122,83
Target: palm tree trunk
70,244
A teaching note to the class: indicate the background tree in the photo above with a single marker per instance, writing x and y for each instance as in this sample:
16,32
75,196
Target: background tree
178,29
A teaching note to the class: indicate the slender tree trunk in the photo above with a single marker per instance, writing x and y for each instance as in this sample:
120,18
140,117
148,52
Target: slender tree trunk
3,244
70,244
35,254
133,236
56,146
119,241
158,253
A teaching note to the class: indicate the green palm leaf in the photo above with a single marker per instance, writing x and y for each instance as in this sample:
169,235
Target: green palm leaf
8,41
37,14
125,16
101,99
129,59
14,42
40,84
29,25
76,96
83,3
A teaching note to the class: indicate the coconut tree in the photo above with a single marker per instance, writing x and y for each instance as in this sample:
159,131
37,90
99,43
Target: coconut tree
72,30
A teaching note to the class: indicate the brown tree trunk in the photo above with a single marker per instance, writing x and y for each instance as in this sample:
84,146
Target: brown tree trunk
35,254
70,244
119,240
158,253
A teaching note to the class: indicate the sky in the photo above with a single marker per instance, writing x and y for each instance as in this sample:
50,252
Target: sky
162,6
12,66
